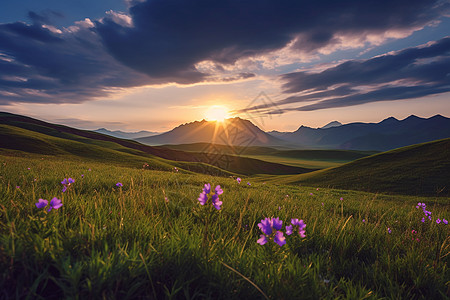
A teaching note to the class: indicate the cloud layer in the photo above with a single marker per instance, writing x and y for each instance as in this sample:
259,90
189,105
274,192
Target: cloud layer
160,41
410,73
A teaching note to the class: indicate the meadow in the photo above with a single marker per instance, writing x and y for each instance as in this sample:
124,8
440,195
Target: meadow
150,238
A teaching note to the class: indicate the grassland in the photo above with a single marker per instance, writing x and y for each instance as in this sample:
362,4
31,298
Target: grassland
311,159
34,136
151,239
422,169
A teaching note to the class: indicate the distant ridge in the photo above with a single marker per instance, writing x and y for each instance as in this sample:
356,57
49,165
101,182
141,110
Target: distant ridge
385,135
126,135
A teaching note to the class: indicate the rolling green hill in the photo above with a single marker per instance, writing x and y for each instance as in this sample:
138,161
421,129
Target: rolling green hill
422,169
315,159
34,136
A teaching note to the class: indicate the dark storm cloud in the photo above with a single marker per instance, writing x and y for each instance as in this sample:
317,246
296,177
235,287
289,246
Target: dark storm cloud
169,37
410,73
43,66
161,41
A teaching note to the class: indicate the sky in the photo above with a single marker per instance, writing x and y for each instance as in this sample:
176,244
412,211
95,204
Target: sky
155,64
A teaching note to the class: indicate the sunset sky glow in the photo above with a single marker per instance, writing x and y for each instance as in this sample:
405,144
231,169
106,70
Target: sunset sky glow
154,64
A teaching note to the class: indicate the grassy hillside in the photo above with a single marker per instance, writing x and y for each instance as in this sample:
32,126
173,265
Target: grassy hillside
151,239
422,169
34,136
312,159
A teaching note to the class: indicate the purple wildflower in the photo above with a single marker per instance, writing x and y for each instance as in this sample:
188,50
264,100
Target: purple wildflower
445,221
438,221
301,227
207,188
64,189
17,187
218,190
262,240
238,180
389,230
119,184
67,181
311,194
216,201
364,220
279,238
41,203
82,175
342,199
289,229
268,225
423,220
248,183
203,198
55,203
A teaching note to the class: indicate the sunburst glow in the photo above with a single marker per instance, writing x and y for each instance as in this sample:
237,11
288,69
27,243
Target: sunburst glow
216,113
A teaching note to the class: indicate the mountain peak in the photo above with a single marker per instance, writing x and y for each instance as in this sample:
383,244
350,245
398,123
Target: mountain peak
331,124
389,120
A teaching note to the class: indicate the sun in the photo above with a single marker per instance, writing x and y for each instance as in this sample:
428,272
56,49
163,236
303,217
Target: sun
216,113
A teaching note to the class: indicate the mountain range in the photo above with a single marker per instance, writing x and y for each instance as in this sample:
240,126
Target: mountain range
385,135
388,134
126,135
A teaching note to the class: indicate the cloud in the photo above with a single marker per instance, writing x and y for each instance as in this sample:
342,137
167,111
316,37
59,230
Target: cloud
410,73
170,37
39,64
159,42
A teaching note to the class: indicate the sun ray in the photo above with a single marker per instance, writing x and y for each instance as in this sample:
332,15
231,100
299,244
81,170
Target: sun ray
217,113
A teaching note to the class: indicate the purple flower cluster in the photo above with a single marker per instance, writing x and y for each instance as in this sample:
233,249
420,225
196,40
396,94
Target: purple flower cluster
55,203
270,227
271,230
428,214
119,184
301,227
203,197
66,183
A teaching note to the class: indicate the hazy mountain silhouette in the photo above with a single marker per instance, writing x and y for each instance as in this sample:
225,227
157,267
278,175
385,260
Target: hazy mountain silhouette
235,131
332,124
385,135
126,135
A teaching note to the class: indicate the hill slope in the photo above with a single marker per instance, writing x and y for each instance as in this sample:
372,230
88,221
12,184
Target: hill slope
422,169
34,136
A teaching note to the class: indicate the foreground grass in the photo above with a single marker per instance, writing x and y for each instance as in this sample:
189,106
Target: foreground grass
152,239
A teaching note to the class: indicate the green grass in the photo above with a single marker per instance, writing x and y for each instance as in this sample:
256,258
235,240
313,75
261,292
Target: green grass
298,162
129,243
422,169
311,159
